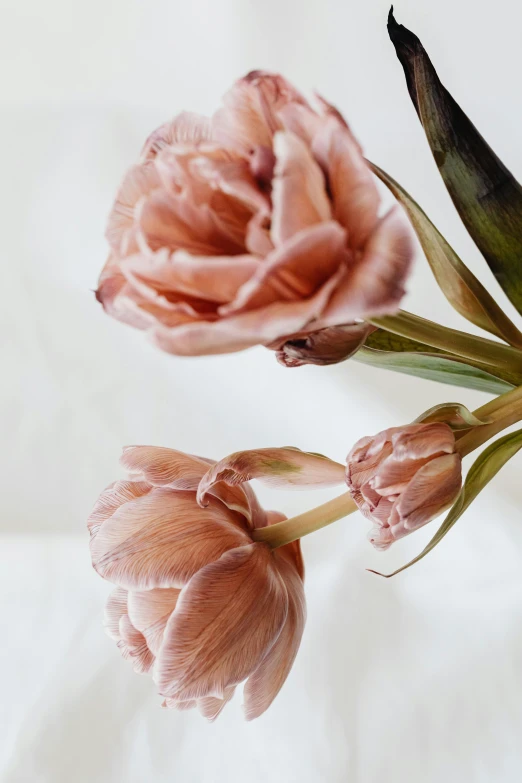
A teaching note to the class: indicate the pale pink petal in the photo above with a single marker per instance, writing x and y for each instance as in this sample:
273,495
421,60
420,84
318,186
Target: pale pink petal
257,237
352,185
298,189
235,178
210,706
301,120
237,332
434,487
149,611
227,618
114,496
169,220
276,467
115,608
164,467
139,181
376,285
215,278
265,683
186,128
295,270
176,704
132,645
162,539
250,114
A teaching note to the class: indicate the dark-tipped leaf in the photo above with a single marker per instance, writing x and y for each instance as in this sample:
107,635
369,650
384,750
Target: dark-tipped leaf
481,472
460,286
454,414
485,193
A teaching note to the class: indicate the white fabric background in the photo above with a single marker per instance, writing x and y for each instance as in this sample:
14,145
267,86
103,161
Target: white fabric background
416,678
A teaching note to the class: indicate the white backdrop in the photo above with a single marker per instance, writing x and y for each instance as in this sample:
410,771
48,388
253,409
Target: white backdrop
412,679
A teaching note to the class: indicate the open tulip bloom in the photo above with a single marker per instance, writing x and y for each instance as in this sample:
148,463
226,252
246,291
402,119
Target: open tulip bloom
262,225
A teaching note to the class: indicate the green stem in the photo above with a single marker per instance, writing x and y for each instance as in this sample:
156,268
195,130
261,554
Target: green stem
291,529
468,346
500,413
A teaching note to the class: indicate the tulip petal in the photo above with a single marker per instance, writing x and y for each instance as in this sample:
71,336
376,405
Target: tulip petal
132,645
298,189
227,618
420,441
115,608
249,117
214,278
376,284
288,467
186,128
210,706
434,487
325,346
163,539
265,683
116,494
138,182
149,611
163,467
295,270
354,191
235,333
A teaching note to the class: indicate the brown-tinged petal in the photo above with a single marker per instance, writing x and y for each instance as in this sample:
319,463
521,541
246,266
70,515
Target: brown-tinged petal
114,496
298,189
215,278
352,185
227,618
294,270
139,182
375,286
276,467
132,645
419,441
325,346
149,610
186,128
162,539
237,332
249,117
265,683
433,489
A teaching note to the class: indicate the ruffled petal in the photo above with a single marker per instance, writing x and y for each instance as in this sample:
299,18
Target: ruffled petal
249,117
283,467
117,494
214,278
139,181
432,490
227,618
375,286
149,611
186,128
163,539
163,467
115,608
352,185
419,441
132,644
325,346
237,332
295,270
265,683
211,707
298,189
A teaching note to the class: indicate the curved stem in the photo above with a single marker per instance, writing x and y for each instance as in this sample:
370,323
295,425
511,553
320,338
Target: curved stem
468,346
501,412
291,529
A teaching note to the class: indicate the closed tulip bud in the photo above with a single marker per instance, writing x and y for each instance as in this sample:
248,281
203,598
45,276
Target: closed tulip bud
404,477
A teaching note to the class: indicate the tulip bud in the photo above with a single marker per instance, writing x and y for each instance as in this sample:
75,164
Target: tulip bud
404,477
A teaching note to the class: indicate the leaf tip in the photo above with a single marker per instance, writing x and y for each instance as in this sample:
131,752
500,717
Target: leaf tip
378,573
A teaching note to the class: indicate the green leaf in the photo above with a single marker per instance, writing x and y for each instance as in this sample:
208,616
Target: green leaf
390,351
481,472
460,286
455,415
485,193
